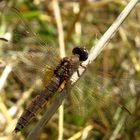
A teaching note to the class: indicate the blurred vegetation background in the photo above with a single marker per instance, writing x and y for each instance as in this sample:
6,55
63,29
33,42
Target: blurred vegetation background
94,111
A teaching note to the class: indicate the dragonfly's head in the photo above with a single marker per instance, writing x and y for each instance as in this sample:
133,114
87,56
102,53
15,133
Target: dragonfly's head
82,52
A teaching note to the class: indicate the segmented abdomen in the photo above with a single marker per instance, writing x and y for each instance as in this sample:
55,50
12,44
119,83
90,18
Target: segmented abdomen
37,103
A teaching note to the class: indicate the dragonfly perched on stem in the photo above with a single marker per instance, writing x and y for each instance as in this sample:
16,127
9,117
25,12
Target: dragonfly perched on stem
61,74
27,54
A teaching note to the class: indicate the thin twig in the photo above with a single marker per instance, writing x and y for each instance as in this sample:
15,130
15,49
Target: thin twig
118,128
95,50
4,75
93,54
75,19
59,28
62,54
4,110
80,133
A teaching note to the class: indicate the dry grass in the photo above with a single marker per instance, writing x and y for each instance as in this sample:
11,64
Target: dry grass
110,82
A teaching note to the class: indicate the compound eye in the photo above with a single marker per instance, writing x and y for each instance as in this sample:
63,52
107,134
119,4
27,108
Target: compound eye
82,52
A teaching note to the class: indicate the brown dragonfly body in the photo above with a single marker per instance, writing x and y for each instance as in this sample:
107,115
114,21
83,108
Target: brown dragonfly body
62,73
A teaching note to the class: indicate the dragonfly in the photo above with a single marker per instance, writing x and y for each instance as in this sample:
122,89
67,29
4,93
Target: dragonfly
61,74
62,69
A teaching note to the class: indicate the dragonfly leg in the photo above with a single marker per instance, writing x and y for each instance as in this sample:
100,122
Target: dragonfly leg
83,66
78,73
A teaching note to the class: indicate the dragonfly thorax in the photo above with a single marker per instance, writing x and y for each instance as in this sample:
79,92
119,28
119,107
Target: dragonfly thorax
67,67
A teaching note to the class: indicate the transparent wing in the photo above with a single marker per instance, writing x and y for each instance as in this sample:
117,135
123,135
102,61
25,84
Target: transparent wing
23,47
101,98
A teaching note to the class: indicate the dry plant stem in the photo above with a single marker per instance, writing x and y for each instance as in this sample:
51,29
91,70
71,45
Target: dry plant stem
95,50
93,54
3,79
4,111
80,133
75,20
62,54
113,29
4,75
118,128
59,27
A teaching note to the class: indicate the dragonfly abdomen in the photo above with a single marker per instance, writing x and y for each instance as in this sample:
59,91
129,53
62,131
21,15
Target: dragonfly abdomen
37,103
62,73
